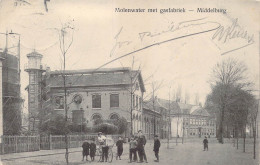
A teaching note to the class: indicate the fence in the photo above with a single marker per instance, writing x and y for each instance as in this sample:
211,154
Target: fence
15,144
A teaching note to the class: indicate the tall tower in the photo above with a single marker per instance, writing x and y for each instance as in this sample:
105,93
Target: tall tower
1,100
35,71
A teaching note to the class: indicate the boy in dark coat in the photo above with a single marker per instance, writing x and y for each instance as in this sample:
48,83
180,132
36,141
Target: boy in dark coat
205,142
92,150
140,147
85,151
156,147
119,145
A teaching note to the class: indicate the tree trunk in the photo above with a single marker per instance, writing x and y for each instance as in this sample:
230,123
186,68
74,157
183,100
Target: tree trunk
254,135
237,136
221,126
234,137
244,145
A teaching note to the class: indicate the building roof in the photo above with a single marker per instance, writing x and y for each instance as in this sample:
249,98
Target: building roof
173,106
160,104
92,77
34,54
199,111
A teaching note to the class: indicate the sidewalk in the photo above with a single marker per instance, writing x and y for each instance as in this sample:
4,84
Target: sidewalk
37,153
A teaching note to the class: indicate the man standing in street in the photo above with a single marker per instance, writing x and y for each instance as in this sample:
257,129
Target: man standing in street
140,147
102,143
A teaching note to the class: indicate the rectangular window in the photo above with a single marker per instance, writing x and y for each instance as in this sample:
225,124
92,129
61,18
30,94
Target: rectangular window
137,102
32,78
140,103
96,101
114,100
133,100
59,102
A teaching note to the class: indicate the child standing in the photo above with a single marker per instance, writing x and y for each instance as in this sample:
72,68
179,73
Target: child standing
119,145
156,147
85,151
92,150
132,149
205,142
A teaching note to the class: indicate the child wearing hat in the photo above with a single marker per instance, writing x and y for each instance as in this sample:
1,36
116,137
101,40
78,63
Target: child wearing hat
156,147
92,149
85,147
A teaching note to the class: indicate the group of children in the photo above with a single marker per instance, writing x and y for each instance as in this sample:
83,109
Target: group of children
89,149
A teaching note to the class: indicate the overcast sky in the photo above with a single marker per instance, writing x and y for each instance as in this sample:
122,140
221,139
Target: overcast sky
185,60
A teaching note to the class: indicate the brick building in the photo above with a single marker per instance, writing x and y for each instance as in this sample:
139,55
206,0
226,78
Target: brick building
197,122
95,94
156,117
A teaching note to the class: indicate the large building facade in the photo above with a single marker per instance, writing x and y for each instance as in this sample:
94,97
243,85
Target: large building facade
175,119
95,94
197,122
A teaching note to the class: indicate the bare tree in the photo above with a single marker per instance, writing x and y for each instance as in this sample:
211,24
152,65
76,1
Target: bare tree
65,41
226,76
230,72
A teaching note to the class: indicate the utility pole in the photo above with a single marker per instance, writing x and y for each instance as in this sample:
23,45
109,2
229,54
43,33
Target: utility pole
65,98
131,95
154,125
169,120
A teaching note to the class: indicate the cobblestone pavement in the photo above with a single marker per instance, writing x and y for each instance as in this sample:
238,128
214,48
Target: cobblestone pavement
180,154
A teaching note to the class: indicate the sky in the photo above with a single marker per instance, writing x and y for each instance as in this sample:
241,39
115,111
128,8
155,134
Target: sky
172,49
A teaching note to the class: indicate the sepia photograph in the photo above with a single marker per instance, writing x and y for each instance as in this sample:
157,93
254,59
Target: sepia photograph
129,81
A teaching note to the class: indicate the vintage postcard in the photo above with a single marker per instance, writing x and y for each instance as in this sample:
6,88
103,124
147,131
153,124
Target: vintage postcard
157,82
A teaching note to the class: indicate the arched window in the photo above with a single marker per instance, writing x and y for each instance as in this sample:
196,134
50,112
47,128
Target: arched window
114,117
96,116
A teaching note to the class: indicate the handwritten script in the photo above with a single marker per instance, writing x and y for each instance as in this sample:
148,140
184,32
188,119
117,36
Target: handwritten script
234,31
174,32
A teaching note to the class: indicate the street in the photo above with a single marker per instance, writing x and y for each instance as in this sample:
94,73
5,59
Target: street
181,154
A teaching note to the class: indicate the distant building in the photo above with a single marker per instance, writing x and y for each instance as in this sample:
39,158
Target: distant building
197,122
179,119
157,110
95,94
152,120
172,117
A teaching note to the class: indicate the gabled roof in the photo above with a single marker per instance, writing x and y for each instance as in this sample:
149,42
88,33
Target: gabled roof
91,77
148,104
200,112
173,106
160,104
